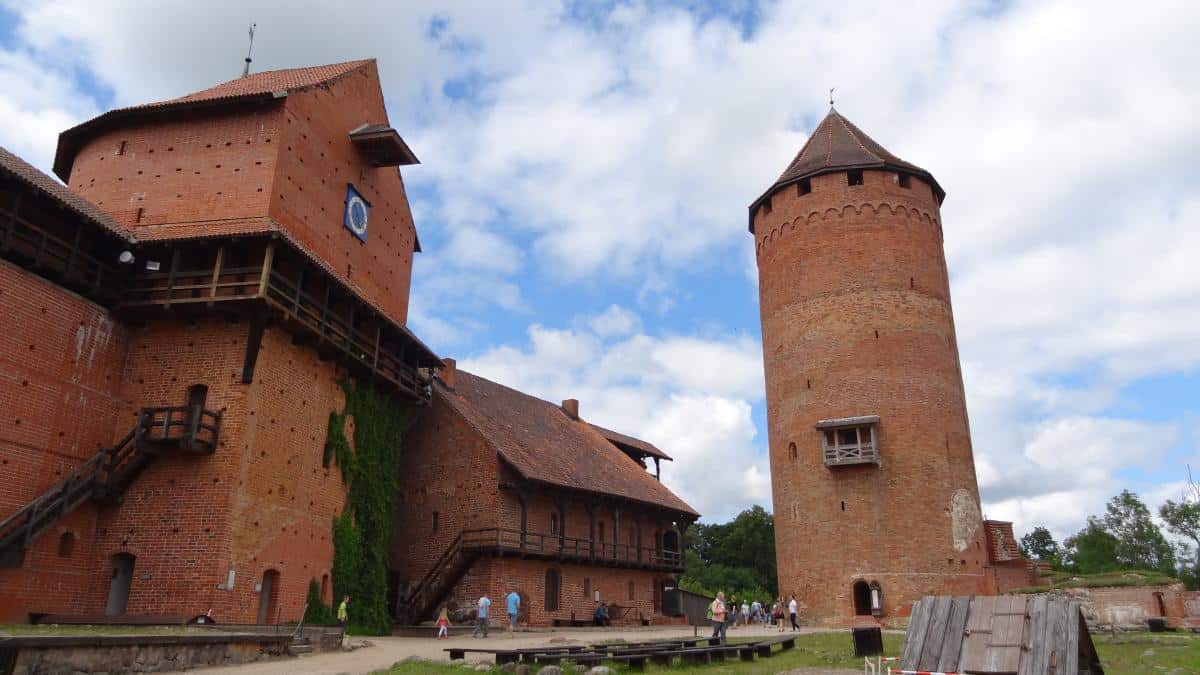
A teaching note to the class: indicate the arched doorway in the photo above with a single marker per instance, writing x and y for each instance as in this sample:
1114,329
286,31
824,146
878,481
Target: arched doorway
862,598
119,583
268,596
552,588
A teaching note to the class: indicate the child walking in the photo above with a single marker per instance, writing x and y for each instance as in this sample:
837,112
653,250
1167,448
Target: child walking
443,622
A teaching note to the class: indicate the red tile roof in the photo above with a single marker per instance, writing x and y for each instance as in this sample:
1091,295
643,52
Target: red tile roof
838,145
31,176
544,445
264,85
635,444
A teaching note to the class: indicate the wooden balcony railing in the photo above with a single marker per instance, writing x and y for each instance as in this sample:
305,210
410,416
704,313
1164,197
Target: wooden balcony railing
540,544
192,428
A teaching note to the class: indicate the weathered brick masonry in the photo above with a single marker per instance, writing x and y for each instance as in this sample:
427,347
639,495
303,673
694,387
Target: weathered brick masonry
230,175
856,322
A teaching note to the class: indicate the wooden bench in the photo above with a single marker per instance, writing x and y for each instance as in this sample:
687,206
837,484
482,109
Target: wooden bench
502,655
763,647
634,659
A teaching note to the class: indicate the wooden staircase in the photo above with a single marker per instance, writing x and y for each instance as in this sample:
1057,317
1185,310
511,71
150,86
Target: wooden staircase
436,584
106,476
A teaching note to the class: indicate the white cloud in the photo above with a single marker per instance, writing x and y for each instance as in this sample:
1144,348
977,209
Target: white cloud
615,320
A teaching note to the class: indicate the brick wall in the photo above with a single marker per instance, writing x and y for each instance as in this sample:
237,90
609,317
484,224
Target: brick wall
60,368
289,160
316,162
856,320
447,467
1130,606
497,577
180,169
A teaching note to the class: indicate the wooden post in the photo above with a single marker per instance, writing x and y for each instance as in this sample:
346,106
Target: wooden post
12,221
299,290
74,252
378,336
171,276
268,260
216,275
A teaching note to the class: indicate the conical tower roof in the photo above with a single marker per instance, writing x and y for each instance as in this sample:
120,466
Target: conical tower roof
837,145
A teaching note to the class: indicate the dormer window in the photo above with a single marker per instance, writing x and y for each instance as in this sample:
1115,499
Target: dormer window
854,177
850,440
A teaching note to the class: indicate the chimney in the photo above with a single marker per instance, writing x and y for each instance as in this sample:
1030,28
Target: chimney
571,407
446,374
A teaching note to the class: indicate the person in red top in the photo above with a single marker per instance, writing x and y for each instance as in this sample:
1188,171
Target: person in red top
718,616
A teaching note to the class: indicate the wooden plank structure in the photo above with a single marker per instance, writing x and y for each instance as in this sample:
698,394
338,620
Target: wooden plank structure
999,635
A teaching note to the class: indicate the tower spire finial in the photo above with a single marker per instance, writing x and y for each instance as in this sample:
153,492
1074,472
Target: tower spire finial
831,97
246,70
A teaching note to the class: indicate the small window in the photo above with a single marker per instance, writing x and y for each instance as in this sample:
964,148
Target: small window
66,545
587,587
903,180
631,590
803,187
121,148
553,523
435,521
792,451
854,177
766,206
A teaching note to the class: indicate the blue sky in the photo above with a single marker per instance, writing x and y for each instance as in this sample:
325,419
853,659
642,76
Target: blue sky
586,167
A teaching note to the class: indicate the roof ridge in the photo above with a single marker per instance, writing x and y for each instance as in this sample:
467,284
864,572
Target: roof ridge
850,129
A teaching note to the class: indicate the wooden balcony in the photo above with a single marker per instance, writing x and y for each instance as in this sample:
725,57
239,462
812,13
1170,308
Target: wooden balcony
189,428
298,295
506,542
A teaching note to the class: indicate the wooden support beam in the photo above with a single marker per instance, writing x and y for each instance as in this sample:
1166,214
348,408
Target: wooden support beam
216,275
174,267
258,325
268,260
12,221
74,251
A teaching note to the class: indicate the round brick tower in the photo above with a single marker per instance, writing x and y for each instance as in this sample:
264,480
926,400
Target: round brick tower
876,502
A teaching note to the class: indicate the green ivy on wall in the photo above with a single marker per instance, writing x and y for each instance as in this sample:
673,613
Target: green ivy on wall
362,533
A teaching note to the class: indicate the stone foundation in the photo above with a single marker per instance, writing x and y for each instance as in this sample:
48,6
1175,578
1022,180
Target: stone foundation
31,655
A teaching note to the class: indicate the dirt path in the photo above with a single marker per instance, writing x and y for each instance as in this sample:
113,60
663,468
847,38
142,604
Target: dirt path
388,650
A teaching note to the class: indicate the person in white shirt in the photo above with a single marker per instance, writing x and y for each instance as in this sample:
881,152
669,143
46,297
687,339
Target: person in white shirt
481,617
792,612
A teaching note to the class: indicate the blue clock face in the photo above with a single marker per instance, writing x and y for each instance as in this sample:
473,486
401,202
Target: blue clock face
358,213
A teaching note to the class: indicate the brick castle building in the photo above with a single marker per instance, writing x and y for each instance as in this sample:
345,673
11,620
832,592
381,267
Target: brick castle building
178,322
875,497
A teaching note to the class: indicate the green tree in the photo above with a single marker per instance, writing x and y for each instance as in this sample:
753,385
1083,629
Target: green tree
1092,550
1040,545
738,556
1183,520
1140,544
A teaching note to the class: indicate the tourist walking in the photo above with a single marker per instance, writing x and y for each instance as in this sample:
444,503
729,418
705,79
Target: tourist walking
731,612
792,612
343,615
481,617
443,624
779,613
717,611
745,613
514,608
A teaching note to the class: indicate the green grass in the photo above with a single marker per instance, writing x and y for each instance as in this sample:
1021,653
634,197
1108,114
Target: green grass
1117,578
1141,653
1137,653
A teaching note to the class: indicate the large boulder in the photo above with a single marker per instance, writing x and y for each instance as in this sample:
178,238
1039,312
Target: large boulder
550,670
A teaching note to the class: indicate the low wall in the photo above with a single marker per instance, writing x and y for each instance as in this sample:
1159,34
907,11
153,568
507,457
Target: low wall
34,654
1130,606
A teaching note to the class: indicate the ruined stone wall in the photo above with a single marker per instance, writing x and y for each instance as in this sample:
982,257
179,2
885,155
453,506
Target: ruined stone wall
856,320
1130,606
61,358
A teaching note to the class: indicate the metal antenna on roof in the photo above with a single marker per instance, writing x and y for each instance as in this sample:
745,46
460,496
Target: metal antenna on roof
246,70
831,97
